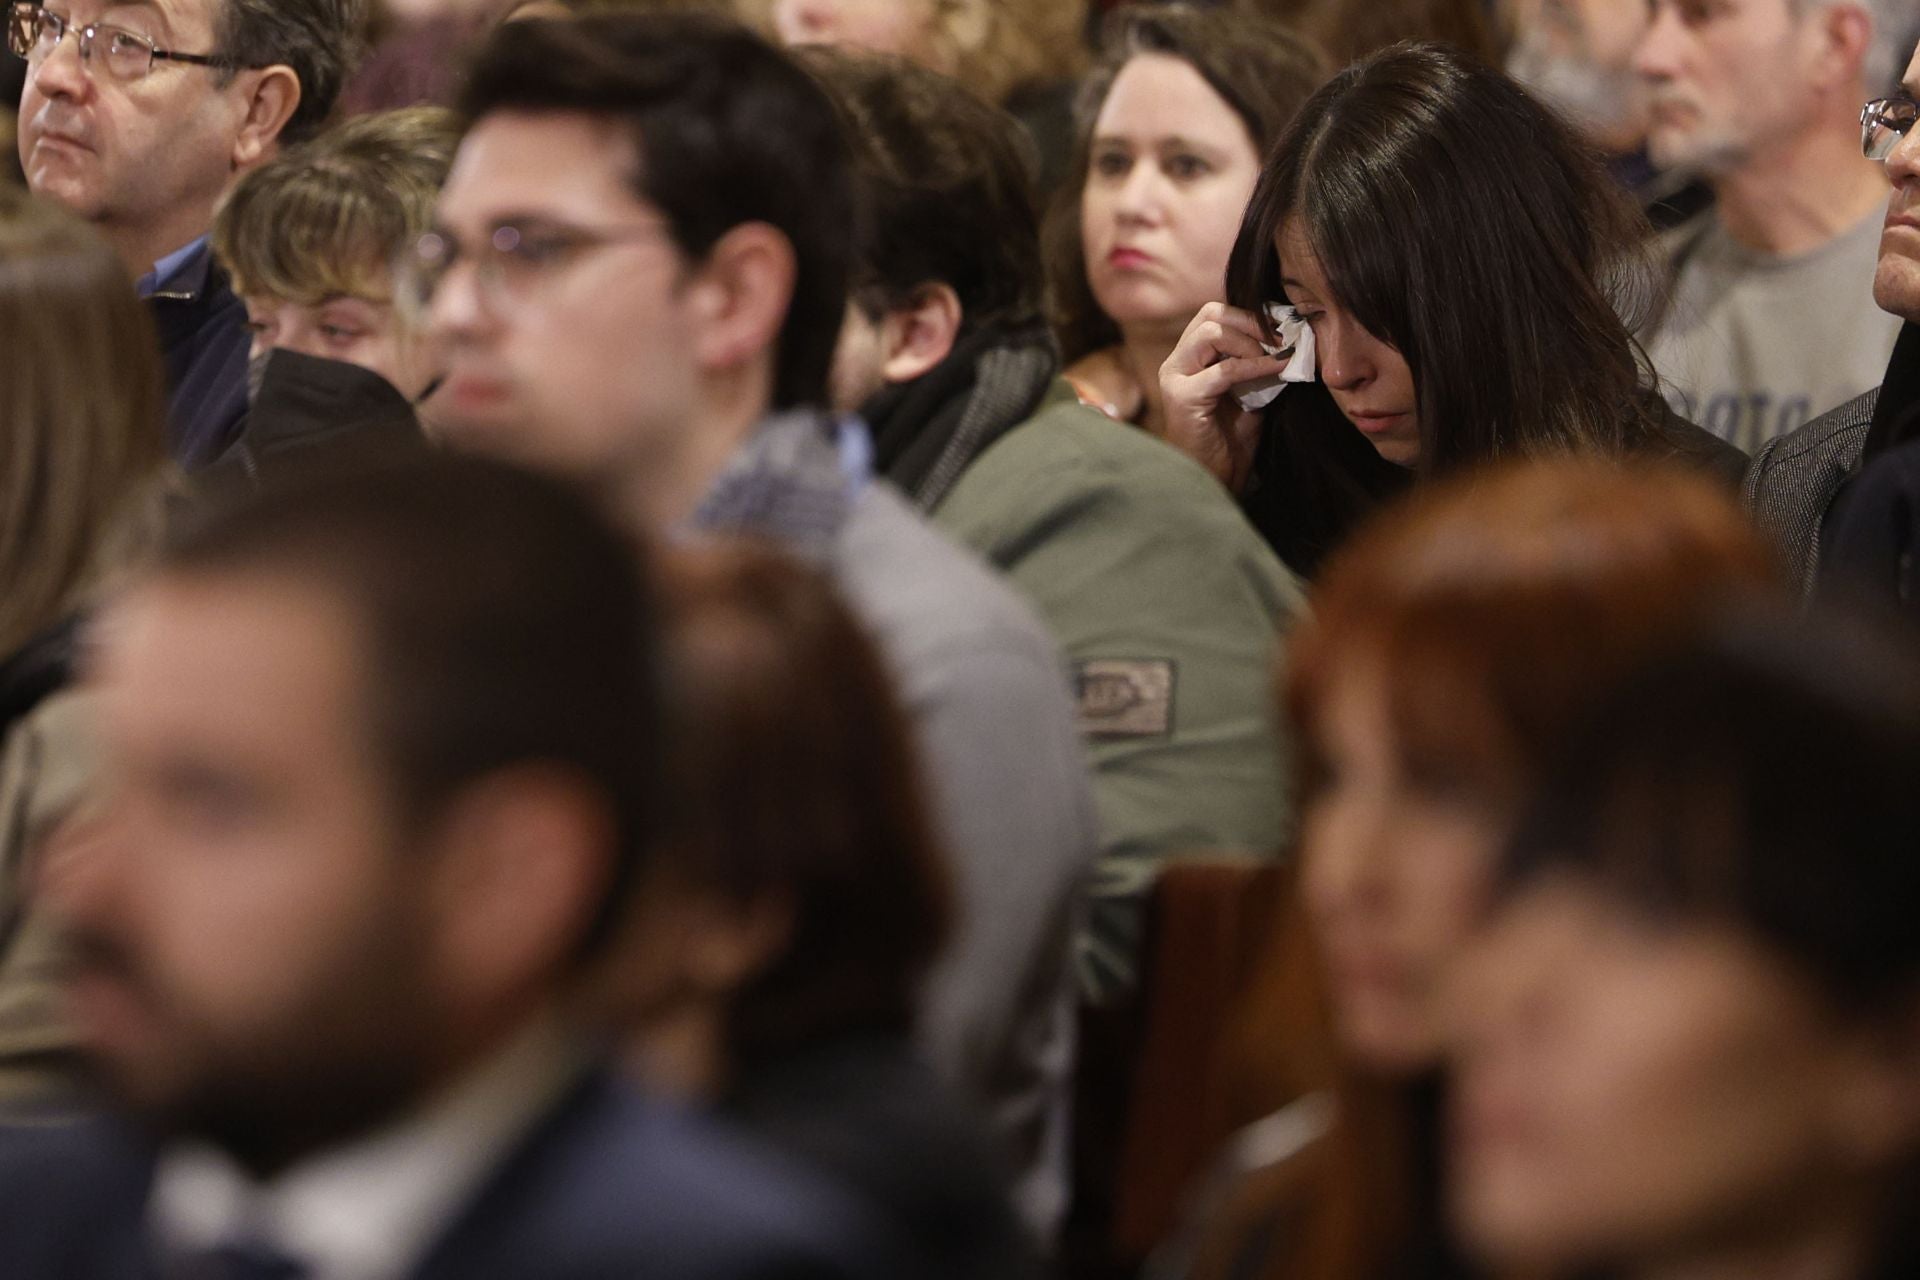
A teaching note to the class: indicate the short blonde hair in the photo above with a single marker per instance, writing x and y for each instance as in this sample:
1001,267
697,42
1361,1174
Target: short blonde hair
328,218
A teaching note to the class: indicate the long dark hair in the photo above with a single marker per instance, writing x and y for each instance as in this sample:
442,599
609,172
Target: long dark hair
1461,221
1262,70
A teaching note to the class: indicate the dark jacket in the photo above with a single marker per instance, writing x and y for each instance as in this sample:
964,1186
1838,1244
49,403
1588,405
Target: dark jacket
1872,532
607,1187
204,339
306,405
866,1113
1795,479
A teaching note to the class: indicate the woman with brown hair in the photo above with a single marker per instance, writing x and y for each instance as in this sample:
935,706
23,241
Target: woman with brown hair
774,963
992,46
81,445
1352,29
1018,54
1451,646
1171,126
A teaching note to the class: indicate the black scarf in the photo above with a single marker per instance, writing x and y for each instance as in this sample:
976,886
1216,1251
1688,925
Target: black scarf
928,431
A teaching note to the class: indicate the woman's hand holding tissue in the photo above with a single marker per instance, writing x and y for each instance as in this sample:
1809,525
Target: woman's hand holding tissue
1222,349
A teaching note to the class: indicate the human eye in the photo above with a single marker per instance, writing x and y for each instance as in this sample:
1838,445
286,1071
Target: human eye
534,246
122,43
208,798
1112,162
1184,166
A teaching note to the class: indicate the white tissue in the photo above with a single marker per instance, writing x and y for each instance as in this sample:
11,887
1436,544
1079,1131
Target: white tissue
1304,367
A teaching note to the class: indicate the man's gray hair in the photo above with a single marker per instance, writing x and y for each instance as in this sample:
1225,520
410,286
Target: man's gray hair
319,39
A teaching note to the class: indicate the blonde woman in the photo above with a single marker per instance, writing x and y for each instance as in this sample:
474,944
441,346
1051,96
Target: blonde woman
82,447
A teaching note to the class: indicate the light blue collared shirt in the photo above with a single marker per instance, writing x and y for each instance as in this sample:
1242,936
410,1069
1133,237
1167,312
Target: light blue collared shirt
164,270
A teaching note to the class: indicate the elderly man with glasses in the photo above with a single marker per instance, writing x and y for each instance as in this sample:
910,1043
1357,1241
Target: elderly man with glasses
1795,481
137,115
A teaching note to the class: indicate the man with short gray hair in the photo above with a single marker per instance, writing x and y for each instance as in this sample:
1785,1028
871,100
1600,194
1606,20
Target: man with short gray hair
1769,322
137,115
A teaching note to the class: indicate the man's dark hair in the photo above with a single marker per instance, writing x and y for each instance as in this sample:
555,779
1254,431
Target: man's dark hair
502,622
319,39
1763,776
726,130
945,189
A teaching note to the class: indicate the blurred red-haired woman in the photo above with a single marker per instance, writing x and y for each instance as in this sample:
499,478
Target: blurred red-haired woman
1452,643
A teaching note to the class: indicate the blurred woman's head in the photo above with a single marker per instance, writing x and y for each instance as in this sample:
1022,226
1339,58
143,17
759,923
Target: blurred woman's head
82,412
991,46
1173,122
1691,1030
310,240
801,895
1450,645
1463,261
1353,29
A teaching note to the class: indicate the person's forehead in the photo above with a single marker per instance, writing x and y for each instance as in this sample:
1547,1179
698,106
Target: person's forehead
562,164
221,655
174,19
1162,93
1912,82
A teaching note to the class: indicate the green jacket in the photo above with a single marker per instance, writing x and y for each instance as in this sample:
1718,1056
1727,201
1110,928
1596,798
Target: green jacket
1169,605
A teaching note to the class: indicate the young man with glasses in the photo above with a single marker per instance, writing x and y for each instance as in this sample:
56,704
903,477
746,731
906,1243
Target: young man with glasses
137,115
638,278
1795,481
1765,322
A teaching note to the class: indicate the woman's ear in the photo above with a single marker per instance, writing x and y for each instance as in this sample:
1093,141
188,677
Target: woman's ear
921,334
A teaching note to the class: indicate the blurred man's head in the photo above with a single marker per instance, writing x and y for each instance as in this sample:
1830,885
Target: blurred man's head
377,754
140,126
1578,55
949,240
1896,285
641,247
1730,80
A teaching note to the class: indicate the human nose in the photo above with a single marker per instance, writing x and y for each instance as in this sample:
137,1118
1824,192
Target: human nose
459,304
1344,861
1346,360
1903,165
1656,56
1140,195
62,71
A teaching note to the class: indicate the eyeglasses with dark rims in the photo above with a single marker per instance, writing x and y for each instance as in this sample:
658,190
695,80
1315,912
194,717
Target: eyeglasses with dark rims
35,32
1885,121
